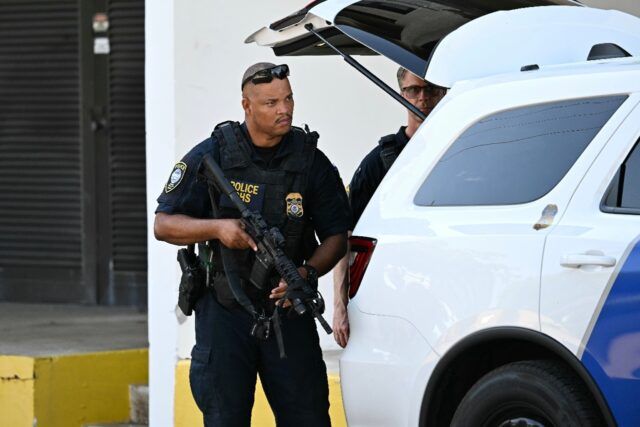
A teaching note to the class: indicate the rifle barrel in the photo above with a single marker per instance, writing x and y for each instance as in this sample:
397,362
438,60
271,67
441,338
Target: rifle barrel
213,172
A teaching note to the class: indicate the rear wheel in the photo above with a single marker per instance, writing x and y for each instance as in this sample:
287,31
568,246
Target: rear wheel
540,393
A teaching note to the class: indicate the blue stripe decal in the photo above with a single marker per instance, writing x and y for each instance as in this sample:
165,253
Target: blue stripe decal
612,354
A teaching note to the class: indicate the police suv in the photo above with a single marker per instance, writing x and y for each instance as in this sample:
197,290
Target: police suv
496,272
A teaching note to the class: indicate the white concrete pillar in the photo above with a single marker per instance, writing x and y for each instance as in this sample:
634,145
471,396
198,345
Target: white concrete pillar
160,87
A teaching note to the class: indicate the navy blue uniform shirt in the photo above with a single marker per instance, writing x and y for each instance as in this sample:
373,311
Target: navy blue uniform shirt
326,200
367,177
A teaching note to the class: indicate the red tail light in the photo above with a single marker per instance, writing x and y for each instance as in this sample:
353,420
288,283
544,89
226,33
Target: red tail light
361,251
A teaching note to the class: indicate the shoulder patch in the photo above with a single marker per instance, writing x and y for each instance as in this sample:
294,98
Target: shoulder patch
177,174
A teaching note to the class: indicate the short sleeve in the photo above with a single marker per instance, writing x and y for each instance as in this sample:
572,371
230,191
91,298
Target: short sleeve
328,204
184,193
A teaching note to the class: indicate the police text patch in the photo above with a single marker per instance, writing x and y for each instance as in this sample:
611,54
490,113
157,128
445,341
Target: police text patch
176,176
250,193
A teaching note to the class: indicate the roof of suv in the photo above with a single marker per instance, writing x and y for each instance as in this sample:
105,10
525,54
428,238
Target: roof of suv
525,39
606,66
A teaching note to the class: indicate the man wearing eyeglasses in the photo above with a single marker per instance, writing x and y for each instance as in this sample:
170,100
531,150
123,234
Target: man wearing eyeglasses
278,171
367,177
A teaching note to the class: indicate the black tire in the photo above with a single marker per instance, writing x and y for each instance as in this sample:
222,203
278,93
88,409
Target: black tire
531,393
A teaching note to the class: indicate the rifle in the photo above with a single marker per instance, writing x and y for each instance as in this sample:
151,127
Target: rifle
270,253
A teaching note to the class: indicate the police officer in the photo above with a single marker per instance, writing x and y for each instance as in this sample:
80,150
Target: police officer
278,171
367,177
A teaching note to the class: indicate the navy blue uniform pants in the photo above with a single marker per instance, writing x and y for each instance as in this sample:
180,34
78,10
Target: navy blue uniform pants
226,360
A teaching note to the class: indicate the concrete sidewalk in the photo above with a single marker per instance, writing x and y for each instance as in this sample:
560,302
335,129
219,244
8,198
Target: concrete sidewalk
53,330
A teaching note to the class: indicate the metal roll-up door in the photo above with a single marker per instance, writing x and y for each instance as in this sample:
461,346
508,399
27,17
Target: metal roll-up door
41,205
127,265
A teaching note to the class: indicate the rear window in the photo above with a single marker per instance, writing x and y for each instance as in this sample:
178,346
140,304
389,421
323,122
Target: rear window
516,156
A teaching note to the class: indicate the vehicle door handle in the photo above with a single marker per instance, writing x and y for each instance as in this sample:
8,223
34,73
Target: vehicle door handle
578,260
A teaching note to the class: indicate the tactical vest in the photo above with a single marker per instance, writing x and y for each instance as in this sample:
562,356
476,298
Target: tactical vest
278,194
390,151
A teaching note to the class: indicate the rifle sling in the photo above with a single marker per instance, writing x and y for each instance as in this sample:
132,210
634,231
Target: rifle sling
275,318
233,279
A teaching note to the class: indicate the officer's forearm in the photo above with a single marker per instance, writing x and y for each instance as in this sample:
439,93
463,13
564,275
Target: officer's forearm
329,253
181,229
341,280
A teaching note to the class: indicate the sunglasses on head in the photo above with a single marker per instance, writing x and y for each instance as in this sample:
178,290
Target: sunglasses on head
267,75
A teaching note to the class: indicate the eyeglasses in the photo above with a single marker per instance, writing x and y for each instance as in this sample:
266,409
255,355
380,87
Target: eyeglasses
412,92
267,75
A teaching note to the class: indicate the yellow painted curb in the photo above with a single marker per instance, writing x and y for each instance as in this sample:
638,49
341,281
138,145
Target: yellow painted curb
187,413
69,390
16,391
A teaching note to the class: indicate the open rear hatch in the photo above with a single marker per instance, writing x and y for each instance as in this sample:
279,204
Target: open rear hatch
405,31
430,38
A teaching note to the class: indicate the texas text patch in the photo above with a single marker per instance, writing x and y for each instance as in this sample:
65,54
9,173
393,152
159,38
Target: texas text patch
250,193
176,176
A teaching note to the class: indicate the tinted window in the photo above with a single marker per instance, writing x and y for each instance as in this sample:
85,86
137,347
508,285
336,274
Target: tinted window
516,156
624,193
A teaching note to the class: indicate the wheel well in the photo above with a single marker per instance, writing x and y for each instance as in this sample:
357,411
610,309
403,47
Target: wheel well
484,351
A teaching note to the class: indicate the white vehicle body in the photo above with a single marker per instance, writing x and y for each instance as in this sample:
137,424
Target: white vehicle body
453,291
441,274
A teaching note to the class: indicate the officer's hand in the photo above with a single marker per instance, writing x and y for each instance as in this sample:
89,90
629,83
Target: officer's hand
340,324
278,292
231,234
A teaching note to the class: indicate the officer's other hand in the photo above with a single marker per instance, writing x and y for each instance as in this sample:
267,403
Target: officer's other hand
340,325
278,292
232,235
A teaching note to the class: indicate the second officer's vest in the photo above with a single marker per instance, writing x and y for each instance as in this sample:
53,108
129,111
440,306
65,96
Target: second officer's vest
390,150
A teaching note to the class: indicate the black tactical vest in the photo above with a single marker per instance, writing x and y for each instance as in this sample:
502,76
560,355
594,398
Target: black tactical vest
278,194
390,151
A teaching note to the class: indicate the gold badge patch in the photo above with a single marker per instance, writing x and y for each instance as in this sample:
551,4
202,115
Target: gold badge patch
294,205
176,176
